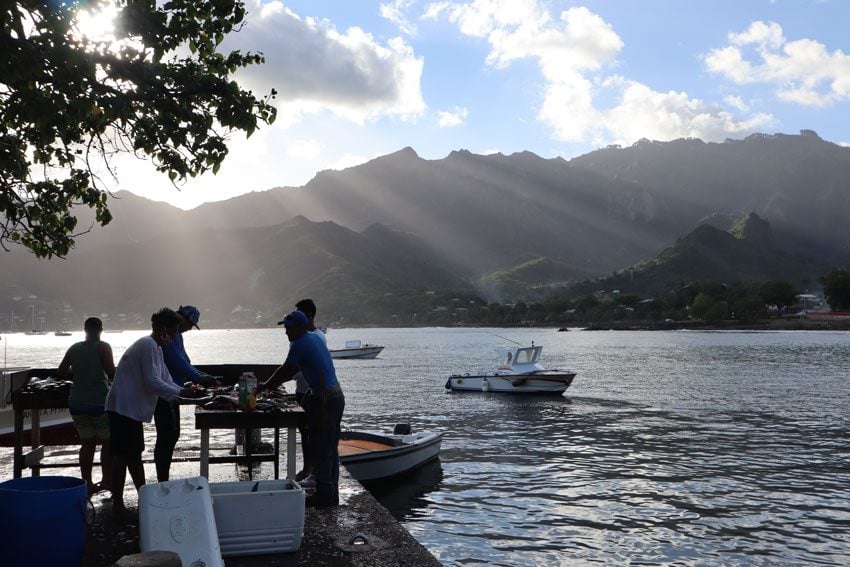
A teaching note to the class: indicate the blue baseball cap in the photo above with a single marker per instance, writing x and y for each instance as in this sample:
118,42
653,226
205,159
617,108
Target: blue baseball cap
294,319
191,313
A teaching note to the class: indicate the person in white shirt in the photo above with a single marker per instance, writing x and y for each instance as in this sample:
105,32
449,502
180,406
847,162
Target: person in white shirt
308,308
140,378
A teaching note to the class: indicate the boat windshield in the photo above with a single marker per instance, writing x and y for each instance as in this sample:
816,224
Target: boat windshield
527,355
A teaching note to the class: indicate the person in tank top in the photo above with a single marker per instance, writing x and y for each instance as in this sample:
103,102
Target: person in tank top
92,367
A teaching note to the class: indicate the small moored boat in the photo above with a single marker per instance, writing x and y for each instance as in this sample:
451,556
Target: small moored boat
519,373
370,456
356,349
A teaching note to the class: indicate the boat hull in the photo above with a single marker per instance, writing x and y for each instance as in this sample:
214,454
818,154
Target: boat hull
393,461
362,352
549,383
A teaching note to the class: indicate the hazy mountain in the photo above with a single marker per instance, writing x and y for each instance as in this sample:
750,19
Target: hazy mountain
511,225
745,253
801,184
482,213
236,274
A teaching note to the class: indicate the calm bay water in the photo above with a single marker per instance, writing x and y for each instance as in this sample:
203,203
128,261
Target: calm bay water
670,447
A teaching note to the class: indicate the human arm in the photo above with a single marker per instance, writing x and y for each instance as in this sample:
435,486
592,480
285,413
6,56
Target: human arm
155,374
107,361
65,365
282,373
179,365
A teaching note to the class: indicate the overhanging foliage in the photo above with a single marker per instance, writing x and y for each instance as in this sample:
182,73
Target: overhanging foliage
159,88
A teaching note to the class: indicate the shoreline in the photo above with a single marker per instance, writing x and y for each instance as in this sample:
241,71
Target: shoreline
836,324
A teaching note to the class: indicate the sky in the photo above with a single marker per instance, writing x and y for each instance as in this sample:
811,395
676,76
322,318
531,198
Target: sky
357,79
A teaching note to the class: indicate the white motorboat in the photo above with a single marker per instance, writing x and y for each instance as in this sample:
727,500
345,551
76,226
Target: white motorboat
370,456
356,349
519,373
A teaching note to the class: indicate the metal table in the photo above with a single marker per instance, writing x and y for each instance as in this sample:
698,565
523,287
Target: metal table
217,419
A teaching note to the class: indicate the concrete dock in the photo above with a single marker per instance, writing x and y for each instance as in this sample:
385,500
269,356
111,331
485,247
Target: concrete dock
328,532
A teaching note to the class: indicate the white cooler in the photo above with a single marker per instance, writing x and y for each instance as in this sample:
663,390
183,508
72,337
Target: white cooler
258,517
178,516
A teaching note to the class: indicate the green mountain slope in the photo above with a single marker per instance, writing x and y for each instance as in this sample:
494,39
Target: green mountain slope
744,254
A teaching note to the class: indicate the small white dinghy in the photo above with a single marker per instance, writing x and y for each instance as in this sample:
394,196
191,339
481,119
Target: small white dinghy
356,349
519,373
370,456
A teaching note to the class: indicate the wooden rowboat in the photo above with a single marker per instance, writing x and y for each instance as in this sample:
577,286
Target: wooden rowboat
370,456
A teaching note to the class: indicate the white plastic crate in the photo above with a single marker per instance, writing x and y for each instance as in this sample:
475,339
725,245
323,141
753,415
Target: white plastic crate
258,517
178,516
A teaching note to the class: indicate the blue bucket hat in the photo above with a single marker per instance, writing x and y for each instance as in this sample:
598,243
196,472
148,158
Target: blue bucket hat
191,313
294,319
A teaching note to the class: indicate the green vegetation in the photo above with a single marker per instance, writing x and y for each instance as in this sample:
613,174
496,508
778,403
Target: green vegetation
836,289
780,294
68,104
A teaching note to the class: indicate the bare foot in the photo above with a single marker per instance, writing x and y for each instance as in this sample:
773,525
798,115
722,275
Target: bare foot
123,514
96,487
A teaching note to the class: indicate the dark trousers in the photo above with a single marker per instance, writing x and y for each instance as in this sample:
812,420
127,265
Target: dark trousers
303,428
324,416
167,419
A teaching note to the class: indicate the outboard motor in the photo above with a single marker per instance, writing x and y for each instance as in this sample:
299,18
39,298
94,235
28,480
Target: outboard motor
401,429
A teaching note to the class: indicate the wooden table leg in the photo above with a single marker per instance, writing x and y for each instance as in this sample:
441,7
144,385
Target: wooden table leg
247,440
35,433
290,452
205,453
19,443
277,453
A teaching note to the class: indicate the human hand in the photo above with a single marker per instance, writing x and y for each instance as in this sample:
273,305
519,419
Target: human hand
192,392
209,381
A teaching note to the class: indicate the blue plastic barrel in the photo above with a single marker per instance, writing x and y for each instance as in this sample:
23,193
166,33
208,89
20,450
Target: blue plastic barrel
43,521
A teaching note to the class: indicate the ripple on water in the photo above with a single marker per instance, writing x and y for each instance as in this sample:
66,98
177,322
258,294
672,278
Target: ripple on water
670,447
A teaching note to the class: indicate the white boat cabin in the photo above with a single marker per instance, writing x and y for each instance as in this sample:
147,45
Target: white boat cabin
523,359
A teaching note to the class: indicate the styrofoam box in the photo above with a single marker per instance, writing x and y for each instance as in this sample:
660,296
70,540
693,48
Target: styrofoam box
258,517
178,516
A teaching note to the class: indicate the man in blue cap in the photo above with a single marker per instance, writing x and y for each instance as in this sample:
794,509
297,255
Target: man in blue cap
323,403
167,414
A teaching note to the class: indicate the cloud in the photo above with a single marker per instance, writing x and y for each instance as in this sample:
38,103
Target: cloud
574,51
394,12
644,112
305,149
315,67
736,102
449,119
803,71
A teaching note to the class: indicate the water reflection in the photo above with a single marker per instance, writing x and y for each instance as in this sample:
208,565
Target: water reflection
405,495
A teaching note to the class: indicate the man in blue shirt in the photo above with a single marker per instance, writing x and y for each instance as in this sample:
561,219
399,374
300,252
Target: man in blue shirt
167,414
323,403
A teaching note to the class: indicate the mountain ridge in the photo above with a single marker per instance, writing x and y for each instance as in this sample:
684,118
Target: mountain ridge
467,223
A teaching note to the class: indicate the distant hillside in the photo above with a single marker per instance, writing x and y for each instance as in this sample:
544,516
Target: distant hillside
744,254
502,227
801,184
234,275
532,280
